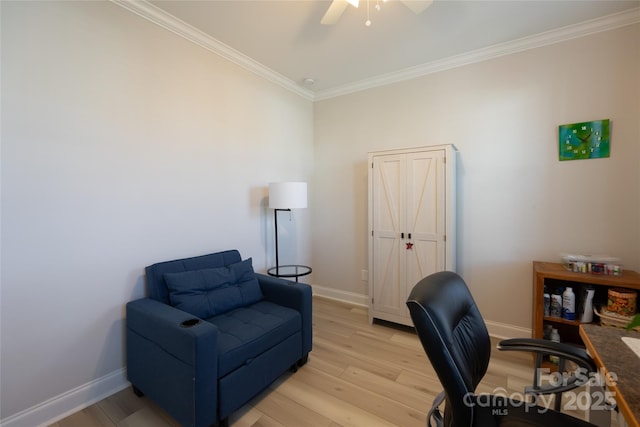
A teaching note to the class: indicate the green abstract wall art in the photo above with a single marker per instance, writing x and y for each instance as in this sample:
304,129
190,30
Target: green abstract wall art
588,140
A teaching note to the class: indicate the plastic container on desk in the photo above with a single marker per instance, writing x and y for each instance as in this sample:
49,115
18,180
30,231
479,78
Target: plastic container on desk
592,264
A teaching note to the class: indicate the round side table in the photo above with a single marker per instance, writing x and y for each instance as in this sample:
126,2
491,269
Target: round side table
288,271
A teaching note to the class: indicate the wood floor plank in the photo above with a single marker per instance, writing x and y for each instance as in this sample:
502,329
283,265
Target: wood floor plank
331,352
247,416
413,397
326,395
92,416
426,384
145,417
289,412
120,405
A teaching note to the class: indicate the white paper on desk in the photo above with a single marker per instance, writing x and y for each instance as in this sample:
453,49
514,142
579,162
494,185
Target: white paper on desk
633,343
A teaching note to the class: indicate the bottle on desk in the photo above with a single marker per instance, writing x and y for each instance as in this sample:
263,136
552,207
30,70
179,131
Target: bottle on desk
586,315
555,336
547,302
569,304
555,305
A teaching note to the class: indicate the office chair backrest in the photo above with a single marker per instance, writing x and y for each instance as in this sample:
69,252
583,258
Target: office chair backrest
454,337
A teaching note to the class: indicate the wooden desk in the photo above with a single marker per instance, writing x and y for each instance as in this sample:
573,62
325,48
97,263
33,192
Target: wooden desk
610,353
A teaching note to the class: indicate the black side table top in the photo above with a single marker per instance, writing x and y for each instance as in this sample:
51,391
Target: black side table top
289,271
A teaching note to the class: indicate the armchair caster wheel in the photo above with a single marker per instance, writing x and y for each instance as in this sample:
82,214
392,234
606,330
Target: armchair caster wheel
294,368
137,391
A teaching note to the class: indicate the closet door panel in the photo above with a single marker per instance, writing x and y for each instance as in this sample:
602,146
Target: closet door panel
388,221
423,259
426,212
389,296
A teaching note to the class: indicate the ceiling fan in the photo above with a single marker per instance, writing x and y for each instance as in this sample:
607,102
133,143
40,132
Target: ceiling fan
337,8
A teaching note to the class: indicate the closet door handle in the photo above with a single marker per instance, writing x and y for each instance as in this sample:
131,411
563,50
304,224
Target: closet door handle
402,235
409,235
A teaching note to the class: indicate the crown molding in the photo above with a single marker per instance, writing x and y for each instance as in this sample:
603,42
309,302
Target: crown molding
609,22
169,22
159,17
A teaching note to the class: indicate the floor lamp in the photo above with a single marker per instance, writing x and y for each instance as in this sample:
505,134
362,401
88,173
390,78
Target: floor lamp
284,196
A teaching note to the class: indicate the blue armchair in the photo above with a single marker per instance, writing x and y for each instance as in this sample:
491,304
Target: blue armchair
212,334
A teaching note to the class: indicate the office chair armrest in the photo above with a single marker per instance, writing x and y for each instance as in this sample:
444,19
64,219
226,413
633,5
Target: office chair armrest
564,351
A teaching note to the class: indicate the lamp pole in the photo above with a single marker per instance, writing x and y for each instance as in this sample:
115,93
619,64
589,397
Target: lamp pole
275,218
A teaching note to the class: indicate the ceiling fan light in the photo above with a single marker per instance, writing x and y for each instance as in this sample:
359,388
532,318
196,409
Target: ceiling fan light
353,3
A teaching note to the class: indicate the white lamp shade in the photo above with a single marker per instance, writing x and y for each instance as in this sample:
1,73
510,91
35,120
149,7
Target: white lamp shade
288,195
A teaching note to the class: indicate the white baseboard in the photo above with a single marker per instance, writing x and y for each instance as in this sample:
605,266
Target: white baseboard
496,329
504,331
342,296
65,404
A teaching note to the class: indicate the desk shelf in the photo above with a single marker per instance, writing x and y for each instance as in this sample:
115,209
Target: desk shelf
555,274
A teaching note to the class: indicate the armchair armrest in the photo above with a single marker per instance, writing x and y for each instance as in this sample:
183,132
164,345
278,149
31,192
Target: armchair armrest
162,324
175,365
297,296
564,351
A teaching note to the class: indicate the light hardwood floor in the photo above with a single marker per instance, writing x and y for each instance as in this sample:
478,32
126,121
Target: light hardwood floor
357,375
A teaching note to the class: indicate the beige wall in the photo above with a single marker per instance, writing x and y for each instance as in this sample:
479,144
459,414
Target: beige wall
122,145
516,201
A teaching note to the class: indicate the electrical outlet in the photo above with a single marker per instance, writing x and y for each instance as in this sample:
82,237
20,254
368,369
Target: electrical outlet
364,275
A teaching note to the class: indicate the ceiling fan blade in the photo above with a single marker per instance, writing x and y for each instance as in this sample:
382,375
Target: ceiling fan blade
418,6
334,12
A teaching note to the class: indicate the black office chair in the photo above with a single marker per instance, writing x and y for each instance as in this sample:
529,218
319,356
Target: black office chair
455,338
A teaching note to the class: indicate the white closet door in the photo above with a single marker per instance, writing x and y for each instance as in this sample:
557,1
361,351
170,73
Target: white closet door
388,221
425,215
411,219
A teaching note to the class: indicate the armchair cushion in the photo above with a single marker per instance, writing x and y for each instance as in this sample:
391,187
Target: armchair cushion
212,291
247,332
